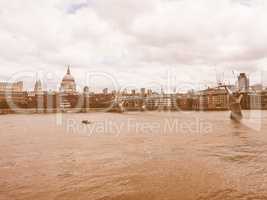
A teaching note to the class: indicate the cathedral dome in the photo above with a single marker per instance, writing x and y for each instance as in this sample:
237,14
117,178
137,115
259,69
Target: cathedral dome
68,83
68,76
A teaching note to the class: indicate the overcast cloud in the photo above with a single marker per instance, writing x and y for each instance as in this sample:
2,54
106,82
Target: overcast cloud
139,42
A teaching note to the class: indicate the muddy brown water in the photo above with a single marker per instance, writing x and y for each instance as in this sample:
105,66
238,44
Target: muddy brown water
148,155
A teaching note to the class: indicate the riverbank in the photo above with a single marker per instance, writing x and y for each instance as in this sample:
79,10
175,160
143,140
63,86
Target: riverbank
79,110
48,111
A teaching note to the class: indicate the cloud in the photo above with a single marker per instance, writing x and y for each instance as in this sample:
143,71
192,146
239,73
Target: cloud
135,41
75,7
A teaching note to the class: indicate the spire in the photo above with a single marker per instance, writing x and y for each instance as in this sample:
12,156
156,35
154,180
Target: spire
68,71
38,86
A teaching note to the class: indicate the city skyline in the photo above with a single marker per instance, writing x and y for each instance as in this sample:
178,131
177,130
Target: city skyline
67,98
68,84
51,81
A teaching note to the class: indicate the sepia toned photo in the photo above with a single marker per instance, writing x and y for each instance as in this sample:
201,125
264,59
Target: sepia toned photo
133,100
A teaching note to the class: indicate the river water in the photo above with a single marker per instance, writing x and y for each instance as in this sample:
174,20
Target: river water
139,155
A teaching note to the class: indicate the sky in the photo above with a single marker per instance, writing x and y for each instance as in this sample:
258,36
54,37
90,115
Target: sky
174,44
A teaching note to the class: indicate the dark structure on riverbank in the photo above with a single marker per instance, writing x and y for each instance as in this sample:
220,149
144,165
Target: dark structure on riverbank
208,100
14,99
